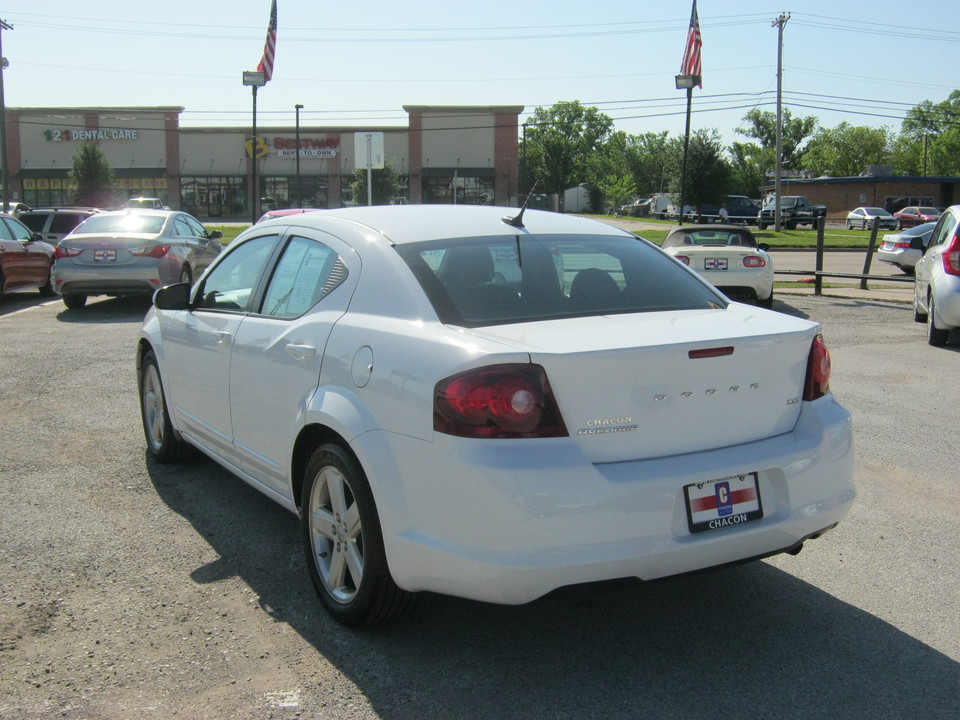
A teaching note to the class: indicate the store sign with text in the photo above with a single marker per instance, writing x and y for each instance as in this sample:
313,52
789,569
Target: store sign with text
286,147
83,134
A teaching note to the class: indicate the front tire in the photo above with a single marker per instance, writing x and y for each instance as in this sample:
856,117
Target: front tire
162,442
343,541
935,336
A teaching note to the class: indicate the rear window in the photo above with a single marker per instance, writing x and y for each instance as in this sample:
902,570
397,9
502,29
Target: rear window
133,223
496,281
709,237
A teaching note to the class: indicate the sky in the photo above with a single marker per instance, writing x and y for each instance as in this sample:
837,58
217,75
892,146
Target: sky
357,64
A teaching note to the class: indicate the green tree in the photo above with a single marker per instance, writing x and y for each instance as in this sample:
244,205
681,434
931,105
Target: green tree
92,176
708,172
385,183
930,134
617,189
650,158
559,142
762,126
749,164
847,149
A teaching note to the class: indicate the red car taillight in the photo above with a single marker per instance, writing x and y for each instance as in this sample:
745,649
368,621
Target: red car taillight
66,252
683,258
754,261
500,401
951,257
818,371
152,251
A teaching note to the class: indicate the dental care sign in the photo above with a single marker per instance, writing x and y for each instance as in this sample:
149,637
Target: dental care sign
93,134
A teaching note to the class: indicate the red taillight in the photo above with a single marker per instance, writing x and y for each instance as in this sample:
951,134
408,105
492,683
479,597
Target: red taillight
683,258
501,401
951,257
901,246
754,261
151,251
67,252
818,371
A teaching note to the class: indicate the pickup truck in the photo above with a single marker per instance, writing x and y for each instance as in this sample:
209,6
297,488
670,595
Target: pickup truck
794,210
145,203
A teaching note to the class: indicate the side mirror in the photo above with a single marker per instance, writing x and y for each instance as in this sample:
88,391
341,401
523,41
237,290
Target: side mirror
917,244
763,246
36,237
173,297
215,235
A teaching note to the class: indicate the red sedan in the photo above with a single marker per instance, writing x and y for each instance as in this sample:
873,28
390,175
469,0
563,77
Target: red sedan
24,258
915,215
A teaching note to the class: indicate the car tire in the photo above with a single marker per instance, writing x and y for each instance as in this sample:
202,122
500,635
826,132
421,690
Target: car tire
343,541
766,302
74,301
186,276
162,443
935,336
46,290
761,226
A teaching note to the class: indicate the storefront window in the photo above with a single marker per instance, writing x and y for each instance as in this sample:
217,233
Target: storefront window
441,190
214,197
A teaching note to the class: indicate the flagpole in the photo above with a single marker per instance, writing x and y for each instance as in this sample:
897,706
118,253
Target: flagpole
688,77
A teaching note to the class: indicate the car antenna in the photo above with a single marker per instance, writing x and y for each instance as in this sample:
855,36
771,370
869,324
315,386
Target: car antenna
517,221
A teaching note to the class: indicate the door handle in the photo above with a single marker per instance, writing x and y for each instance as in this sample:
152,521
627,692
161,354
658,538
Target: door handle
222,337
301,352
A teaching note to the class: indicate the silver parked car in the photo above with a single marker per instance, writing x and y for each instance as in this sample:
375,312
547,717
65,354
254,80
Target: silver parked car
862,218
936,293
904,248
131,252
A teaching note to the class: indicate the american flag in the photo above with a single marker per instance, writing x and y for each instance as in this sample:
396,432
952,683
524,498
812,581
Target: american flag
691,53
270,48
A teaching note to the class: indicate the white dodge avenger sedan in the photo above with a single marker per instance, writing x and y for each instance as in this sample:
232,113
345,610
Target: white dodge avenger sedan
493,404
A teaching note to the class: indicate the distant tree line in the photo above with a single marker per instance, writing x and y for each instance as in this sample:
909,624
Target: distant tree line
568,144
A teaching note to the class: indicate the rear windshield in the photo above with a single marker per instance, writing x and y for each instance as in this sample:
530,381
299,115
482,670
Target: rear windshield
34,221
710,237
132,223
496,280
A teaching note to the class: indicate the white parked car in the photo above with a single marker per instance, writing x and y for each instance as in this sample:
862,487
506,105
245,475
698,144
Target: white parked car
903,249
728,256
491,404
936,294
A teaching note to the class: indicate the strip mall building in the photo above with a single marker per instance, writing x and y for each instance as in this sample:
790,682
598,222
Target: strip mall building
444,155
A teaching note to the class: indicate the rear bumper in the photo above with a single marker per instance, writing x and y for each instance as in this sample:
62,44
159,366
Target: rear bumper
97,281
508,526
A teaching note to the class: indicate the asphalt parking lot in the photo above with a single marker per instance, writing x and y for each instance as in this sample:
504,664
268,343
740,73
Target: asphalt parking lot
133,590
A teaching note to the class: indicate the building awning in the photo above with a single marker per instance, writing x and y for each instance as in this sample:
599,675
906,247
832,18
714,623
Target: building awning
63,173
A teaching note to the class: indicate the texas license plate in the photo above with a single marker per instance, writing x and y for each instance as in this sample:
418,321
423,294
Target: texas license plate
723,502
104,255
715,264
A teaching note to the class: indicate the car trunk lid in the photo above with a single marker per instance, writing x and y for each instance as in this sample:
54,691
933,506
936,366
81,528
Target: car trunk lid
632,387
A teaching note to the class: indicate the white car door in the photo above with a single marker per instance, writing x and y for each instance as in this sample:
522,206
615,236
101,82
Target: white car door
198,343
928,264
277,352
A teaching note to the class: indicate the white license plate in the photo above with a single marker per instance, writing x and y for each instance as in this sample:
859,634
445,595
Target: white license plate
104,255
723,502
715,264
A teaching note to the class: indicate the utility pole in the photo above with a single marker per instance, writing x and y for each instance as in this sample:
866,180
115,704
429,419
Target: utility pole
779,23
4,167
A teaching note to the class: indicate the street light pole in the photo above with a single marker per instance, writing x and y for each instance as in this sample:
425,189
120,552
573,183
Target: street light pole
298,107
685,82
254,80
4,168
